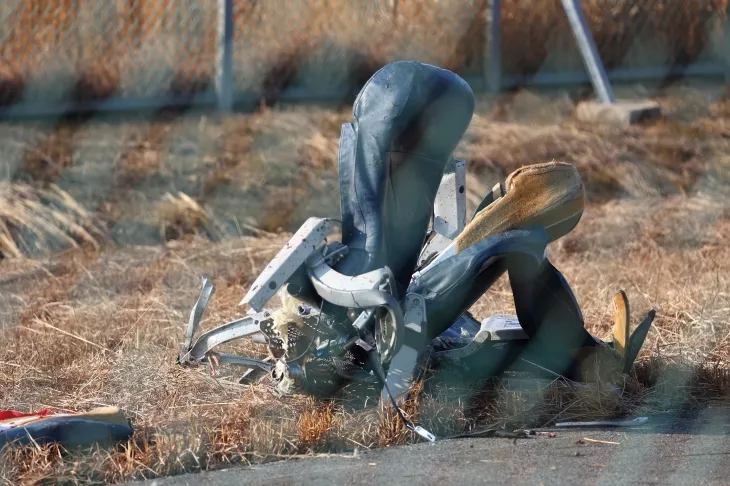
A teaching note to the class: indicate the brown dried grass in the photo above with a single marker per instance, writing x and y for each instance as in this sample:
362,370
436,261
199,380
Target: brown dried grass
36,221
123,310
181,216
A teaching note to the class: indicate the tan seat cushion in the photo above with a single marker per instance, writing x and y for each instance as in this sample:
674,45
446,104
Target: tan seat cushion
550,195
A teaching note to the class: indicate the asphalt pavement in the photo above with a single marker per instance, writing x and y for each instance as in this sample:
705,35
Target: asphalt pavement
664,451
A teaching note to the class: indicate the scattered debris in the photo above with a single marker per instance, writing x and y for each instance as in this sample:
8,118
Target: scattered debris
549,435
586,439
105,425
606,423
498,433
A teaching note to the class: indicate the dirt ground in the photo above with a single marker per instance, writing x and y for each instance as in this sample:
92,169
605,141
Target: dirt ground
168,197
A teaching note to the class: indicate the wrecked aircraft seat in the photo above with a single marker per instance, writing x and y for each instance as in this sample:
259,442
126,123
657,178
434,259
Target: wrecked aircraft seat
399,286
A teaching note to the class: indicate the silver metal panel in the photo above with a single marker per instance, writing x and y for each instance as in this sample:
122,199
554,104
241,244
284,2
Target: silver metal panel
504,327
449,212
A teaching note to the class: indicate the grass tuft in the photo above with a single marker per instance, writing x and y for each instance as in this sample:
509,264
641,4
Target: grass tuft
35,221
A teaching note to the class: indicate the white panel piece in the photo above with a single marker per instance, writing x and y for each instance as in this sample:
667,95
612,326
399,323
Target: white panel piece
449,216
403,366
288,260
503,327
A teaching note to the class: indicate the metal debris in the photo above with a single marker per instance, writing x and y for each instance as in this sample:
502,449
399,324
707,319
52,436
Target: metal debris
606,423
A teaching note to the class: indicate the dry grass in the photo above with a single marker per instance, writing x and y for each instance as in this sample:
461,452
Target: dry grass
329,43
127,308
657,225
35,221
181,216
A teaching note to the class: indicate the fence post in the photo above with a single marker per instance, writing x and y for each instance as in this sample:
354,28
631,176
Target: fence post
726,44
493,47
224,57
589,51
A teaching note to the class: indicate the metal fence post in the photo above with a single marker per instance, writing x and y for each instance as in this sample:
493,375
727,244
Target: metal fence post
493,47
726,44
224,58
589,51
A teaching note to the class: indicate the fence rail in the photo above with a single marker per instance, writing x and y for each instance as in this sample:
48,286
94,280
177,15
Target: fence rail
64,55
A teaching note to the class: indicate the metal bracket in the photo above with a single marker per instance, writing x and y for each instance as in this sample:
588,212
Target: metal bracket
247,326
197,313
449,210
300,247
403,365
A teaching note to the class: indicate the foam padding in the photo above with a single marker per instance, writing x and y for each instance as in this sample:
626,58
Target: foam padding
549,195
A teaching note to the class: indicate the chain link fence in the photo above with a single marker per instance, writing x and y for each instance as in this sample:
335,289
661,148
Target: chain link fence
52,51
630,35
66,52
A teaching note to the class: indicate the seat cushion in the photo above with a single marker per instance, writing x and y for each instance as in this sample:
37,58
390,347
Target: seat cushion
409,117
549,195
